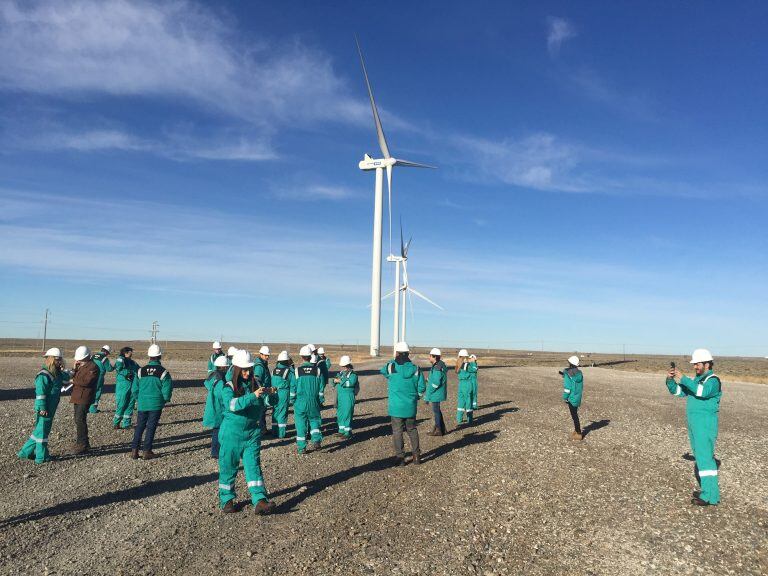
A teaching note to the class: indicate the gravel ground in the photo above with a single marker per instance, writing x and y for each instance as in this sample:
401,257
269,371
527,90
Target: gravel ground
509,495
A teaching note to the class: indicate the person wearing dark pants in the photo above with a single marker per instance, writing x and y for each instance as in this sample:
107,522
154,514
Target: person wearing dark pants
152,387
85,375
573,386
437,390
405,385
409,425
146,422
575,417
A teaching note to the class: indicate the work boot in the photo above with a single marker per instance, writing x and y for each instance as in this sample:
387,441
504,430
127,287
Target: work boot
400,461
262,508
135,454
229,507
576,436
696,494
699,502
116,426
312,446
79,449
149,455
417,459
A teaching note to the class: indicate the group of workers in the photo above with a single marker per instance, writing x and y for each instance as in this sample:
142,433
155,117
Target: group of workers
242,388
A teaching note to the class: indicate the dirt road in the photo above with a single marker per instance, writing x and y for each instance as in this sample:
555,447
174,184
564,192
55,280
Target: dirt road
509,495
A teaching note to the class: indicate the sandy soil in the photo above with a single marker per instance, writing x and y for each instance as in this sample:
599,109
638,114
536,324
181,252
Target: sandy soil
509,495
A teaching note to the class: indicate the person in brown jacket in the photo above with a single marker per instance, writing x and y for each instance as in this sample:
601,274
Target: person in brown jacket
85,376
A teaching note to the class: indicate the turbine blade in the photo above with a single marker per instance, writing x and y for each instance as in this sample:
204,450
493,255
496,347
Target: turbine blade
410,307
384,297
410,164
420,295
376,119
402,246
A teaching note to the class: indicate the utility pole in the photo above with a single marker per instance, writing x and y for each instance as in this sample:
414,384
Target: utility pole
45,329
155,327
624,351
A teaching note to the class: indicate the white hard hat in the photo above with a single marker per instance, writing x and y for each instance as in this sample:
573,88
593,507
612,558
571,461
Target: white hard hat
463,353
345,361
321,350
701,355
242,359
435,352
231,351
216,345
82,353
107,348
221,362
402,347
154,351
473,357
283,356
264,350
55,352
305,351
574,360
312,347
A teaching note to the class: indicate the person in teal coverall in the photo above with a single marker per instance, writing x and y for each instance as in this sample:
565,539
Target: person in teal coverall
702,395
240,435
101,359
48,383
347,388
126,369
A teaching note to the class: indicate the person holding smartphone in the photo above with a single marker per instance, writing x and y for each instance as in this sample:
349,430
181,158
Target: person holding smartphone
702,394
240,435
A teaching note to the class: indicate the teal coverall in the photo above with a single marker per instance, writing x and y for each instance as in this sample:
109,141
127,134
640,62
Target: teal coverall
405,385
324,364
464,398
263,378
125,371
437,383
240,438
306,388
346,390
214,405
212,359
702,409
573,386
282,379
474,386
102,361
47,395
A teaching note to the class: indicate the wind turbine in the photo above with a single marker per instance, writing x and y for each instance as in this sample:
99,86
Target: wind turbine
402,292
387,162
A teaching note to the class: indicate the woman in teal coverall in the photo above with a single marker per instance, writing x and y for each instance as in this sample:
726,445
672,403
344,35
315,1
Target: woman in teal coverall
702,395
347,388
240,435
47,393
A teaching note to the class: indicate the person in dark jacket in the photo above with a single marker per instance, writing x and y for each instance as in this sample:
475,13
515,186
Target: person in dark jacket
85,377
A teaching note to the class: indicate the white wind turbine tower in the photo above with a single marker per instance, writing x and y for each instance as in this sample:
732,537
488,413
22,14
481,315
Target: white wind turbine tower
379,165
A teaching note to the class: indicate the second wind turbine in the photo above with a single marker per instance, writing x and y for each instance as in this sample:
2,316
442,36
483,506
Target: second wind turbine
387,162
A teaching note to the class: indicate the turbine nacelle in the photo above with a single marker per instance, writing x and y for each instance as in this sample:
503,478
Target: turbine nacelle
368,163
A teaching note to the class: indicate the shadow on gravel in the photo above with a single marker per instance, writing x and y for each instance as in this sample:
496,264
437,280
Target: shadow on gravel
592,426
494,404
126,495
191,420
117,448
464,441
320,484
493,416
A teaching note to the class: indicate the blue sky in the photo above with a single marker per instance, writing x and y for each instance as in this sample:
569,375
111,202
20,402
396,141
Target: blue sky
601,181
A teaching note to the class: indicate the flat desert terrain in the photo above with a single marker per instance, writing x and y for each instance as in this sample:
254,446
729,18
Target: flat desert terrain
511,494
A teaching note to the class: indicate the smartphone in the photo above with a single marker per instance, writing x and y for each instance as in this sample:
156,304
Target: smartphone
672,365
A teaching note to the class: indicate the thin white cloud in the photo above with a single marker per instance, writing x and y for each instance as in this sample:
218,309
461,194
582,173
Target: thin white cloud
175,255
315,192
178,49
559,30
